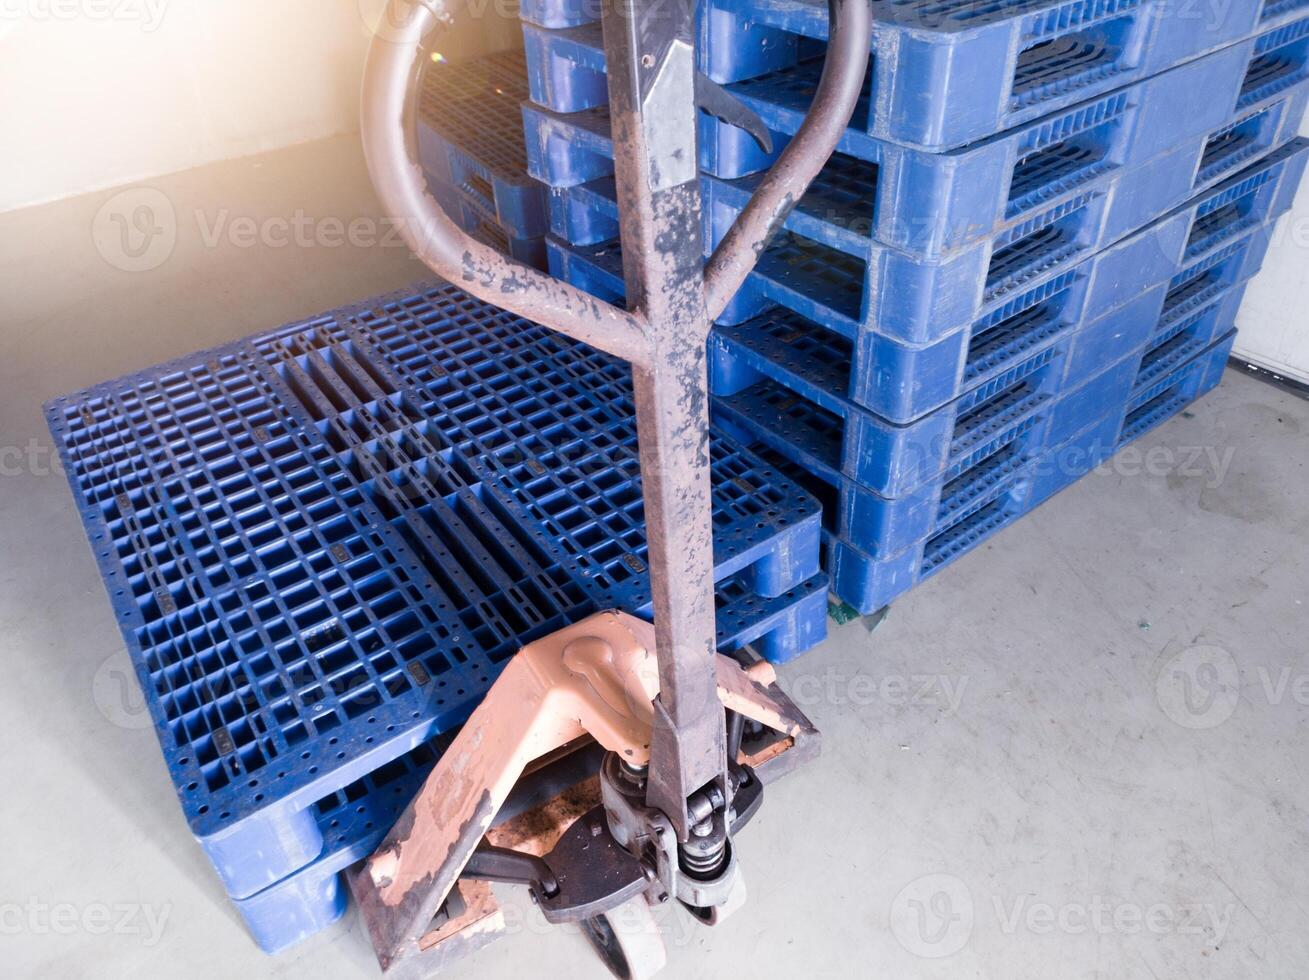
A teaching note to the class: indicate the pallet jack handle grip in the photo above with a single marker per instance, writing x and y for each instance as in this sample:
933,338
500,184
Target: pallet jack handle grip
395,62
391,84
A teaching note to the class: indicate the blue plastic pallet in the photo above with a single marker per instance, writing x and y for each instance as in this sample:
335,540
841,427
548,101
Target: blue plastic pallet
936,205
762,370
898,381
312,579
1138,120
868,584
955,451
781,367
932,203
1155,403
558,439
470,138
1199,257
355,820
468,214
946,74
352,822
1150,407
826,268
982,438
1163,328
565,70
1010,410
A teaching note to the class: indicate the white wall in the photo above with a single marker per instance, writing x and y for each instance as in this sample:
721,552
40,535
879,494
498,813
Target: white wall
1274,319
99,93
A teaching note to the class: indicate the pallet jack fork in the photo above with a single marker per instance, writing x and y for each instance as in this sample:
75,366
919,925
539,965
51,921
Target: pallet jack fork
679,776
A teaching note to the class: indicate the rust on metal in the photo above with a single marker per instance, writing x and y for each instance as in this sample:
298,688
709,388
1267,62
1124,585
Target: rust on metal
481,912
539,829
654,694
599,677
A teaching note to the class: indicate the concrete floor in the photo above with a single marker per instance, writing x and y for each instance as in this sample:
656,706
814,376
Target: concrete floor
1076,753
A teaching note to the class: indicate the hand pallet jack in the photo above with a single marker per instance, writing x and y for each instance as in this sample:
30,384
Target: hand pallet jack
689,737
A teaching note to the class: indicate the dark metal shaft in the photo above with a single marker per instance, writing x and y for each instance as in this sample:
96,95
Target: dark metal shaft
651,59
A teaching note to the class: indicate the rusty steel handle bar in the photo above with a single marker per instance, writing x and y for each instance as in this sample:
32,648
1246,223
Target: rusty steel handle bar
673,300
849,39
389,134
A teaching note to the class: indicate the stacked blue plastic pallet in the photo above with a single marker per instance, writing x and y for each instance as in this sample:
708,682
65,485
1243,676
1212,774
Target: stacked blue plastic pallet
943,72
322,543
901,499
470,142
946,333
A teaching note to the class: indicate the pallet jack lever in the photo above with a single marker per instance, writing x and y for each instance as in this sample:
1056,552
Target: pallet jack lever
510,867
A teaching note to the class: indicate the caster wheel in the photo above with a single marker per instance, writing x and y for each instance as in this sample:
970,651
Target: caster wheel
713,915
628,940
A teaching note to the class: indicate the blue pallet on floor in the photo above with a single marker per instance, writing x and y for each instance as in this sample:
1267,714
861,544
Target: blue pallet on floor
352,822
788,379
868,584
470,137
1163,328
830,441
942,75
1154,403
312,576
355,820
1150,407
955,450
984,438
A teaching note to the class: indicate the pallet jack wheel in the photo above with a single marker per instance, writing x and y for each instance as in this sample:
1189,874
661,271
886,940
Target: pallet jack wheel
628,940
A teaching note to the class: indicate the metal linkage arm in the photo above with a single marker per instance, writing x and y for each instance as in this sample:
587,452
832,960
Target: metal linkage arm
650,53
